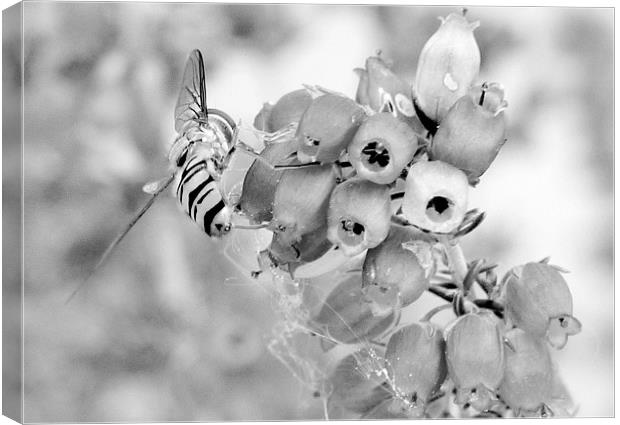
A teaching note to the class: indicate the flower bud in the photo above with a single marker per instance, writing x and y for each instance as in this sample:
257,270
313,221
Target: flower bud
259,184
447,67
471,134
347,318
528,377
398,270
382,148
384,91
475,356
301,201
415,362
435,196
354,387
326,128
359,215
538,301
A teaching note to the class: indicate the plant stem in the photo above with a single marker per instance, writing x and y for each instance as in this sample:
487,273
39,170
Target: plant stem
428,316
456,260
441,293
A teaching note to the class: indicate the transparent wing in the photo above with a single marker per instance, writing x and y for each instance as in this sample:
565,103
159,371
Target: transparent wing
192,100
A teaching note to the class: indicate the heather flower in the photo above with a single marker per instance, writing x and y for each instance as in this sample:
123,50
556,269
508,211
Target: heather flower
383,91
301,201
528,378
398,270
356,387
359,215
473,131
447,67
415,362
287,110
347,318
475,357
294,253
435,196
538,301
382,148
326,128
259,184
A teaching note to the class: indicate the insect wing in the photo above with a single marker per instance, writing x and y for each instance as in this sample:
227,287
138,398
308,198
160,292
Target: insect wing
192,101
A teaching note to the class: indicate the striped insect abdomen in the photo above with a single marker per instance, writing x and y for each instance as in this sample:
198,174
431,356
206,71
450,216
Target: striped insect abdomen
200,198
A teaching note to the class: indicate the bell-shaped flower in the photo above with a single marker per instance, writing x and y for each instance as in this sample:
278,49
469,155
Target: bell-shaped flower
447,67
528,372
435,196
398,270
295,253
345,317
383,91
416,365
473,131
356,383
327,127
538,301
359,215
301,201
382,148
475,356
287,110
259,184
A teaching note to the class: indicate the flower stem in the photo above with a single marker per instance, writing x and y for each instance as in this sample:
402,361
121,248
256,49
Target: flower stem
456,260
428,316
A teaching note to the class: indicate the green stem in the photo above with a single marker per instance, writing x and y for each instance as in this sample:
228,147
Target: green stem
428,316
456,260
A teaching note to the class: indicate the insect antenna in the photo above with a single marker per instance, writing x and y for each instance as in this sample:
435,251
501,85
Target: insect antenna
120,237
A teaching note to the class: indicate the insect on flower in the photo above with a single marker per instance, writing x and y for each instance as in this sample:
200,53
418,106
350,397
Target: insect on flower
206,139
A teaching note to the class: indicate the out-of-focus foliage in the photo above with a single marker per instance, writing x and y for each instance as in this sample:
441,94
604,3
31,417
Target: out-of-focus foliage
170,329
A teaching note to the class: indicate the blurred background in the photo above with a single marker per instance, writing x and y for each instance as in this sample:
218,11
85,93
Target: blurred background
172,329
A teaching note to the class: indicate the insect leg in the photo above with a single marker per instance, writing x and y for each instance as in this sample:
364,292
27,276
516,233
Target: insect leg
120,237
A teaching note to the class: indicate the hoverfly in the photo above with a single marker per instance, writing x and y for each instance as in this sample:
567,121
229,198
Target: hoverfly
200,153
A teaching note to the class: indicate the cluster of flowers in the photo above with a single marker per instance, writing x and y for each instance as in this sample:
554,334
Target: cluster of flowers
386,177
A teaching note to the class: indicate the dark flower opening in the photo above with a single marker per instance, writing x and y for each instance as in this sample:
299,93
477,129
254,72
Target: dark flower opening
376,153
438,209
350,232
311,141
350,226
